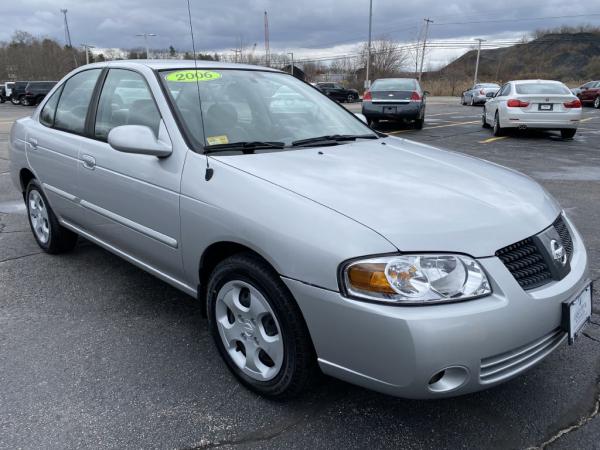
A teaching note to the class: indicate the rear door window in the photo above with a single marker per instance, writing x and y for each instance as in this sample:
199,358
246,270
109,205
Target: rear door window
47,114
541,89
75,100
125,100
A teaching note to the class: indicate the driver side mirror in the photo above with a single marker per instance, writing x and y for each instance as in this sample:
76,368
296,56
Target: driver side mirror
140,139
426,93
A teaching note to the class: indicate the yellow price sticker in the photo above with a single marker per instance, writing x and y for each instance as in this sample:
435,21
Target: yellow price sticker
191,76
214,140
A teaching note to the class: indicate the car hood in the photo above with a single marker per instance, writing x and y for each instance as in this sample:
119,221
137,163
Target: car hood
417,197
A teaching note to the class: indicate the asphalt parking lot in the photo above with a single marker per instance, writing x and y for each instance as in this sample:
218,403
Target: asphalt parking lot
96,353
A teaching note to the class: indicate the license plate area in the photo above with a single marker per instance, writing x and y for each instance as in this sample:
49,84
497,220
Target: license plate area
545,107
389,110
576,313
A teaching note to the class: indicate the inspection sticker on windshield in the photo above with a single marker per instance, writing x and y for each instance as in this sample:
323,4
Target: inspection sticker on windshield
190,76
214,140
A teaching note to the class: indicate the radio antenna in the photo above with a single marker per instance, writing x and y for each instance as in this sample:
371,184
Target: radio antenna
209,171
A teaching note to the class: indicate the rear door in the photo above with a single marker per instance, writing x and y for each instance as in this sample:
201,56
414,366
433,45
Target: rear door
54,139
131,201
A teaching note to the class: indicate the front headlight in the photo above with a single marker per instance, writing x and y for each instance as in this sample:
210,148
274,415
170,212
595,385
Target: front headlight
415,279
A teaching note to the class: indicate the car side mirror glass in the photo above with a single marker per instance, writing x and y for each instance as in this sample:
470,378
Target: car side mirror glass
361,117
140,139
426,92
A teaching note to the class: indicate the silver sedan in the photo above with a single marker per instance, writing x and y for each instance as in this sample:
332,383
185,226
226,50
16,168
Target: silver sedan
479,94
313,242
533,104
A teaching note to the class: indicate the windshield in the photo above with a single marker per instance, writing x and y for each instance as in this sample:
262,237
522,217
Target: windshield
541,88
489,85
395,84
253,106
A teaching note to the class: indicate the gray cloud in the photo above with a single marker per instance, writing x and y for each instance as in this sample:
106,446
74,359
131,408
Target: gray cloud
308,24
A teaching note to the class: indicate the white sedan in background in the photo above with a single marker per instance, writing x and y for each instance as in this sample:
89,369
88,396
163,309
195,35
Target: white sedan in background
533,104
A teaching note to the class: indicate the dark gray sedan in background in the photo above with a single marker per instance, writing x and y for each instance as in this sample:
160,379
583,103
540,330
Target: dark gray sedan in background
479,94
395,99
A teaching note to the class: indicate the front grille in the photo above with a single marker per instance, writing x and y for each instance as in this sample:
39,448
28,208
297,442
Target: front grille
505,365
528,260
526,264
561,228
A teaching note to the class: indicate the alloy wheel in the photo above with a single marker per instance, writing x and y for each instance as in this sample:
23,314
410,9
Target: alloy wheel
38,214
597,102
249,330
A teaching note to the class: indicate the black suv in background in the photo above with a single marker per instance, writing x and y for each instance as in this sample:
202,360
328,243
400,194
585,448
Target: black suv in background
35,91
338,92
18,92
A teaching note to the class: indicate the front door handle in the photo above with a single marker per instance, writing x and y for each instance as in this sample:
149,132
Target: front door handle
89,162
33,142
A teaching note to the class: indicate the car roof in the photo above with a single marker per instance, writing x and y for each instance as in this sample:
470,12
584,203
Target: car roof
166,64
396,78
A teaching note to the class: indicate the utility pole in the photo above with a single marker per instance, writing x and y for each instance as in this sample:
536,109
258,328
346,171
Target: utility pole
427,22
367,75
292,65
146,35
236,51
87,48
479,41
267,49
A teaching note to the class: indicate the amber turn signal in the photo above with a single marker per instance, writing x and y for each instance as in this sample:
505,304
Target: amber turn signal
369,277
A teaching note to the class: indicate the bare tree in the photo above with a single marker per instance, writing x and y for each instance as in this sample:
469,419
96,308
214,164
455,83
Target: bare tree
388,57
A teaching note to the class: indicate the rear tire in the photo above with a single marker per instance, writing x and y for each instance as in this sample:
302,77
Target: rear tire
472,101
498,131
235,285
462,100
49,234
568,133
597,102
25,101
15,101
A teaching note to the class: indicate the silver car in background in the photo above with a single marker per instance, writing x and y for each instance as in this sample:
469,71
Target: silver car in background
311,240
479,94
533,104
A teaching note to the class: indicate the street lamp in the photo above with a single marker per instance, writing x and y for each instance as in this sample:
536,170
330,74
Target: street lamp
87,47
145,35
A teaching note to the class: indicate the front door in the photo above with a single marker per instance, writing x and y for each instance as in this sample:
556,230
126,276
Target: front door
131,201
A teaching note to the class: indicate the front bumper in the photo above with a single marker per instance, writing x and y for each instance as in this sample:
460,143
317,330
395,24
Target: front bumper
397,350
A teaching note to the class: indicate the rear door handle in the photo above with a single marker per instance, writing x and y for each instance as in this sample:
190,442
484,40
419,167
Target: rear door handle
89,162
33,142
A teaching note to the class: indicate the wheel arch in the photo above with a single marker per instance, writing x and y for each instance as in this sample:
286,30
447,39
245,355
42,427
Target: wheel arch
217,252
25,176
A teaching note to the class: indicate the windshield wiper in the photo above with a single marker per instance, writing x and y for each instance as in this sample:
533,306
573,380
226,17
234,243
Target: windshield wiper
332,139
245,147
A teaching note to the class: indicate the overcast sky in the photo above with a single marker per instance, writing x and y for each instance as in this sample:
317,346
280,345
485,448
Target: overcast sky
308,27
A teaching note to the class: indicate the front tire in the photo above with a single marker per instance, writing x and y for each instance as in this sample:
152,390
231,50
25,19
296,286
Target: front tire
49,234
258,328
597,102
25,101
15,101
568,133
472,101
484,123
498,131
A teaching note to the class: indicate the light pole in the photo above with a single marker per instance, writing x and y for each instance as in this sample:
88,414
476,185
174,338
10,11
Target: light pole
367,79
292,65
87,47
145,35
477,62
